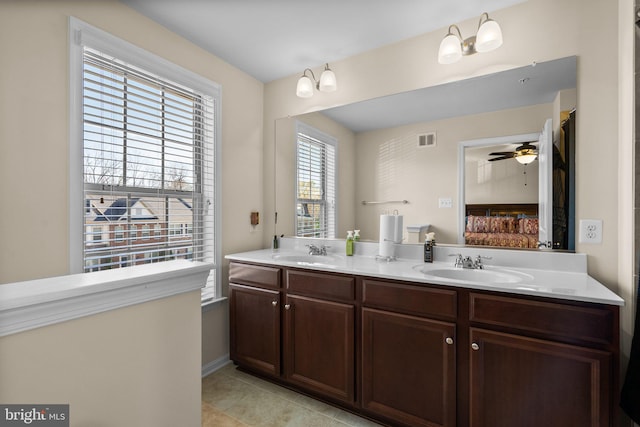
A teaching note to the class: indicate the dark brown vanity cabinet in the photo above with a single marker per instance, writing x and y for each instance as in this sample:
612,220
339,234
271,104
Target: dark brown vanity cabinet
319,333
542,363
254,314
300,328
408,353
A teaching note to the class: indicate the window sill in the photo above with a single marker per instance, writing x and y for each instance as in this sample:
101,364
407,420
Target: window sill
37,303
210,303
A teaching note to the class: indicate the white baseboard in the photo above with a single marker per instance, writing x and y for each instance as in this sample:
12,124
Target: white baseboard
214,365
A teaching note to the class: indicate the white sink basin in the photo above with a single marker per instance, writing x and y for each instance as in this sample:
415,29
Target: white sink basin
305,259
485,276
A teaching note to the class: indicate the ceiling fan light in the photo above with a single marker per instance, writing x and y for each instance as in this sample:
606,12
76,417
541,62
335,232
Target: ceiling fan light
328,82
450,49
489,36
525,159
304,88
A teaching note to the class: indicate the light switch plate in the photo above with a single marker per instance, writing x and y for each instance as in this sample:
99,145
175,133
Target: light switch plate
445,202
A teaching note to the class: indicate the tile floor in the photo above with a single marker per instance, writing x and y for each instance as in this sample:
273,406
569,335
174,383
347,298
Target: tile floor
231,398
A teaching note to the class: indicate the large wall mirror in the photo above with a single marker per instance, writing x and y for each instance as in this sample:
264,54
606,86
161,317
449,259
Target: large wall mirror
400,154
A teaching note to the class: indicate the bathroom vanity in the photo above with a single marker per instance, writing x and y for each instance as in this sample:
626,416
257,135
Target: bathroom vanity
397,344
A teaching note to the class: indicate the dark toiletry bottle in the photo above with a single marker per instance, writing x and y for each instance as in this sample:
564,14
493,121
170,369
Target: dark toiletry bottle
428,250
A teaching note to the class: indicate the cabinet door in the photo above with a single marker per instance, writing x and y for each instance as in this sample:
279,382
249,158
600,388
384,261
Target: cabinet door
319,346
408,368
255,328
520,381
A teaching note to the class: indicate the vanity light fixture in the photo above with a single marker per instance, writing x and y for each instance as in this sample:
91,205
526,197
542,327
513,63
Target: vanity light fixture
327,82
453,46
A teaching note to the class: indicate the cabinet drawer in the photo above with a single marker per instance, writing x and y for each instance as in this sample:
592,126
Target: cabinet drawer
255,275
417,300
320,285
561,321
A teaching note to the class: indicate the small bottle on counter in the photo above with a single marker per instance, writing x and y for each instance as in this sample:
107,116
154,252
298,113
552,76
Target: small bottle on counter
429,243
356,235
349,243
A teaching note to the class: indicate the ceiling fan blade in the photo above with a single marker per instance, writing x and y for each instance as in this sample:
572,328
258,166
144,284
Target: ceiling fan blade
502,153
501,158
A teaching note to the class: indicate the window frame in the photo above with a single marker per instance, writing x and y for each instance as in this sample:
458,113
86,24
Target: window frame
326,139
82,34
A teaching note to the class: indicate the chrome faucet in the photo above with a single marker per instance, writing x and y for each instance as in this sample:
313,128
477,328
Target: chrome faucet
315,250
468,262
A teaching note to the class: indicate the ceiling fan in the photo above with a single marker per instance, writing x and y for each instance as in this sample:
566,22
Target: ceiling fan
525,154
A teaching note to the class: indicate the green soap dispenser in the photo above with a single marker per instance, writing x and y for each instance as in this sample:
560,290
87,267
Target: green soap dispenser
349,243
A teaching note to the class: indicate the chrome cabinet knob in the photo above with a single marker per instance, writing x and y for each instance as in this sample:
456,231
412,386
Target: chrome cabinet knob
475,346
287,306
274,303
449,340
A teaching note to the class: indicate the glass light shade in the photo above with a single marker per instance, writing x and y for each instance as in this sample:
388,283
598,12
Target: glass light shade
525,159
450,49
489,36
328,81
305,87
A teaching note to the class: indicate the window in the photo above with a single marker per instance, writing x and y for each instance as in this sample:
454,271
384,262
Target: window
316,183
147,132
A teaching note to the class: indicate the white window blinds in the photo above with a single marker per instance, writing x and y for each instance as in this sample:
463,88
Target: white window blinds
148,167
316,183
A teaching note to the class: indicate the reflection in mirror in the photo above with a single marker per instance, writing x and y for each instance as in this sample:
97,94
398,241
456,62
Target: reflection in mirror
404,147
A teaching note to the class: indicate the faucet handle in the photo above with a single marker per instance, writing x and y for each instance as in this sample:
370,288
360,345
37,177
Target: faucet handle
458,262
478,263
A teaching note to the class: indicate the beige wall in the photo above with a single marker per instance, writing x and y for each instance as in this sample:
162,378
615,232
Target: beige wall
135,366
159,377
390,166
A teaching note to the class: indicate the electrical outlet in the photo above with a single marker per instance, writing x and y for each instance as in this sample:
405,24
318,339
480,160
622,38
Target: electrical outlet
590,231
445,202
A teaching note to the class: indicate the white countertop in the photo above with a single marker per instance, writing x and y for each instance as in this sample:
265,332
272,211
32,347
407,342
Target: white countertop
570,284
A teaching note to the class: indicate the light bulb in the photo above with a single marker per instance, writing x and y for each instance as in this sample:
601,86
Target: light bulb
328,81
305,87
450,49
525,159
489,36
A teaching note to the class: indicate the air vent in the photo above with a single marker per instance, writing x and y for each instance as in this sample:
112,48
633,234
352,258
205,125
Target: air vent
427,140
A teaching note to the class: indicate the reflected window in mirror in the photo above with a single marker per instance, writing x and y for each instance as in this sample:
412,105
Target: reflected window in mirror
316,183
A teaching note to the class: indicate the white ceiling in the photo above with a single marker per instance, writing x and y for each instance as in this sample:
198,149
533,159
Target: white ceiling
271,39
